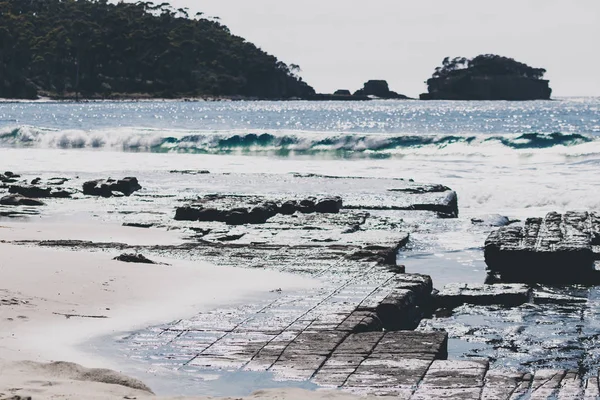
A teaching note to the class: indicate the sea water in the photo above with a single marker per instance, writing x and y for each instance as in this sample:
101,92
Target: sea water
519,159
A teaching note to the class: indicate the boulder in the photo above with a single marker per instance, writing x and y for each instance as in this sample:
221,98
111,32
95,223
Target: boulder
30,191
210,214
60,194
271,207
239,216
447,207
560,249
106,187
133,258
491,220
289,207
307,206
127,186
19,200
260,214
330,205
187,213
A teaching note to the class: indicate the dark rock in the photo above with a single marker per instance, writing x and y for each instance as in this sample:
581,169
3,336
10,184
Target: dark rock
331,205
289,207
338,97
423,189
60,194
260,214
307,206
378,88
57,181
210,214
487,77
498,88
107,187
448,205
10,174
127,186
457,294
134,258
19,200
342,92
237,217
385,255
187,213
36,181
405,306
230,238
138,225
98,187
30,191
556,249
443,215
4,179
491,220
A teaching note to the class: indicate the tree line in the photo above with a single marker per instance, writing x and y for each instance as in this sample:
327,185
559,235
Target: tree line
486,65
94,48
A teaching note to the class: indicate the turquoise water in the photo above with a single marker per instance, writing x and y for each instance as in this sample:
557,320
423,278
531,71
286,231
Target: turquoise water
376,128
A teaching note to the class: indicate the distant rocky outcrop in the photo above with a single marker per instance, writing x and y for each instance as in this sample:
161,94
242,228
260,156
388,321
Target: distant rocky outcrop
487,77
378,88
342,92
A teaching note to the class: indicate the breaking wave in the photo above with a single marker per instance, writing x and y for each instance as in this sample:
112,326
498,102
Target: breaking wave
298,142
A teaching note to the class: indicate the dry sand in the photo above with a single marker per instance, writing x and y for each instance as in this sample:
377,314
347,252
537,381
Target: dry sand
52,302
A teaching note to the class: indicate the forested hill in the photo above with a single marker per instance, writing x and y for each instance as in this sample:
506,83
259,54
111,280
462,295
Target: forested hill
96,49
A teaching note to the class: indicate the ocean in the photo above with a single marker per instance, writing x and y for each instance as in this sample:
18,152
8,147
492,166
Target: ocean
517,159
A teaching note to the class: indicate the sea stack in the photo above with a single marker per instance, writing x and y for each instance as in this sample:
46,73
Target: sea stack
487,77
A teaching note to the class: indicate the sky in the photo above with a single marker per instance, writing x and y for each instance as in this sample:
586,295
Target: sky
340,44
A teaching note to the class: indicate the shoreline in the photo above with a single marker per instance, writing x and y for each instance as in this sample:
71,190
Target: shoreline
55,303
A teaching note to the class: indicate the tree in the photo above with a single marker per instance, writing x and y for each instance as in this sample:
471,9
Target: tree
61,47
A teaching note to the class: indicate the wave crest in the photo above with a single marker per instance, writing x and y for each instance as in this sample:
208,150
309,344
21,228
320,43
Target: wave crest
295,142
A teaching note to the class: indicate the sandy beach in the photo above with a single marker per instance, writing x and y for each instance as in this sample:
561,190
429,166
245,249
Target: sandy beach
53,302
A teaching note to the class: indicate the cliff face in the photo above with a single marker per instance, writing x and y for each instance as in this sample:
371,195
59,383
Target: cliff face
488,88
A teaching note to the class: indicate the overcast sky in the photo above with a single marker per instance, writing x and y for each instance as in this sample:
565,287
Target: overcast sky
343,43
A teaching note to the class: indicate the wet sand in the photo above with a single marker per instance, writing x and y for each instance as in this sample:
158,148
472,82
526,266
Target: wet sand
54,302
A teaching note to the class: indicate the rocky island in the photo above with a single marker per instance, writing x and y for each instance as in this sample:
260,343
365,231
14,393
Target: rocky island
487,77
